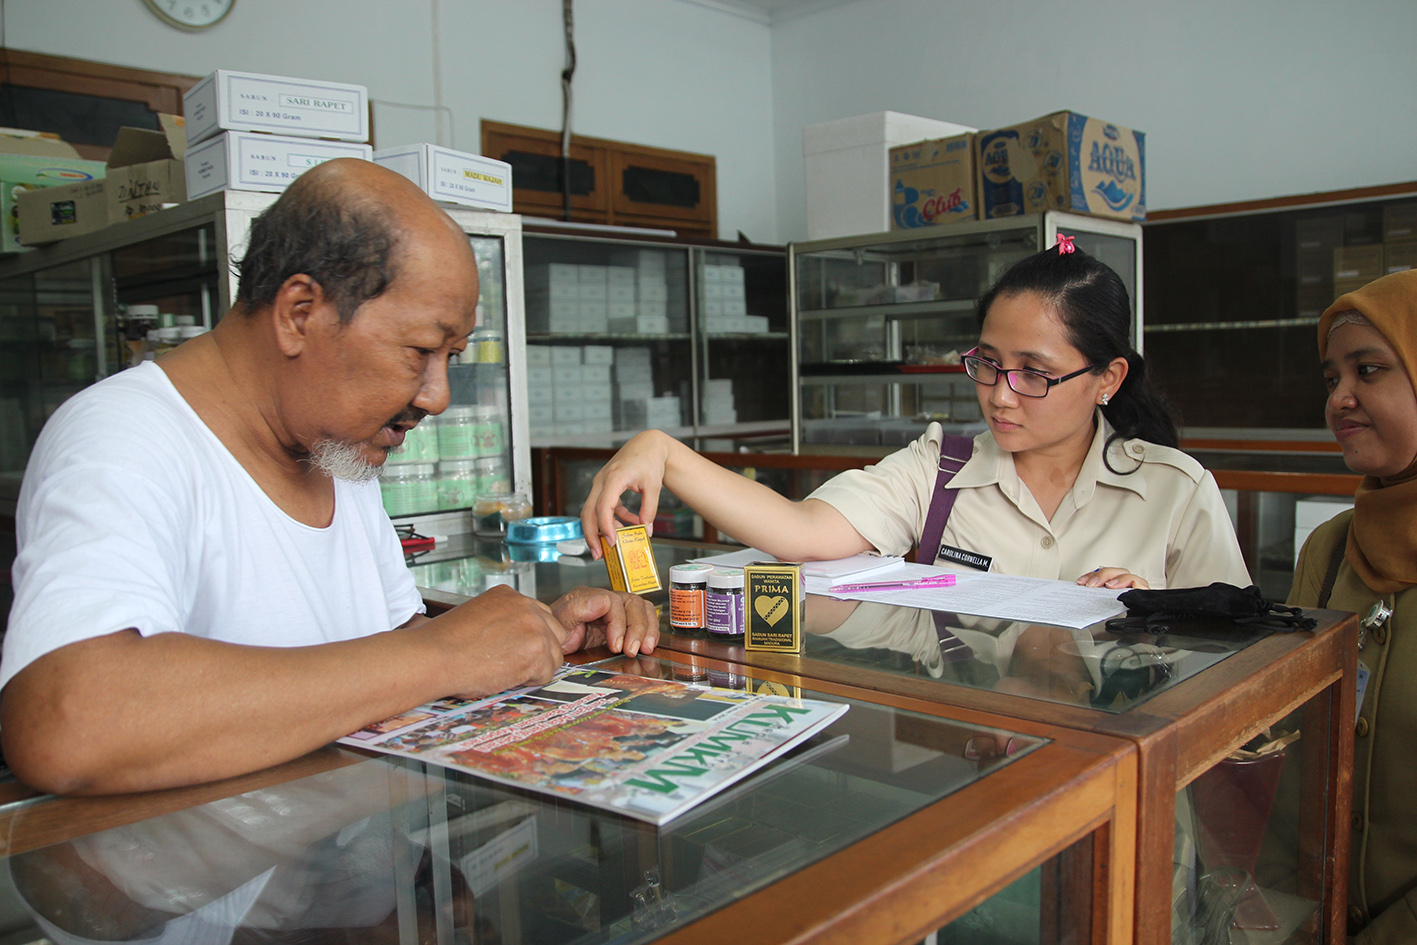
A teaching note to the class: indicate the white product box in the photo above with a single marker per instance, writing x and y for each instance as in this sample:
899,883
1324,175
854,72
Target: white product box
644,260
565,354
557,306
598,354
715,324
593,291
594,275
650,307
734,306
539,374
540,414
567,375
538,354
654,290
716,414
599,410
569,410
620,309
555,274
596,374
536,394
593,308
733,275
713,308
634,391
621,292
238,160
718,387
625,376
713,273
756,324
595,325
567,395
642,325
596,393
248,101
628,356
604,425
620,275
733,290
848,169
713,290
456,177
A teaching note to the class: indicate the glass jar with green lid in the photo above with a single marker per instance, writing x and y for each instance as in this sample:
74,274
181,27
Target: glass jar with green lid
457,483
458,433
408,489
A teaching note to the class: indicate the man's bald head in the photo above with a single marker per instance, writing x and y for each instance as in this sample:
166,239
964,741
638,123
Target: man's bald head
346,224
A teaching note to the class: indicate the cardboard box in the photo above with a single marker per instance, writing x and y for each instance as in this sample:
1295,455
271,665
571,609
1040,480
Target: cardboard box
847,165
145,169
248,101
1399,256
30,161
240,161
1063,161
933,183
456,177
1400,221
55,213
1360,264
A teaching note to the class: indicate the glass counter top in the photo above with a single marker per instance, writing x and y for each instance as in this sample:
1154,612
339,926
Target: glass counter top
383,850
1092,667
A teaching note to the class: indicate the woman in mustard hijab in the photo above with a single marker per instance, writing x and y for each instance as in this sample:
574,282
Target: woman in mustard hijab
1365,561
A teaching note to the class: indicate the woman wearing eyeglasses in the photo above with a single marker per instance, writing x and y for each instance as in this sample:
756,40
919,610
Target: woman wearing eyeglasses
1078,476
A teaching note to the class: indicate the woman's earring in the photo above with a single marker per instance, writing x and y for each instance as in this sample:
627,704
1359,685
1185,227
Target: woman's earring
1104,400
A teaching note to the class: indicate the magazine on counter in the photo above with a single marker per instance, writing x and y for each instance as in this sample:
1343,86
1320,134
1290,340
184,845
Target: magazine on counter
646,748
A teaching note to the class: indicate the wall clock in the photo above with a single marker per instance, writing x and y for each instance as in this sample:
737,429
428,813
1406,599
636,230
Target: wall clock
191,14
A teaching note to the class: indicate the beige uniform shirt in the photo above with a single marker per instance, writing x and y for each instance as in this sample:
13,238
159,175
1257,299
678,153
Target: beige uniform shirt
1165,522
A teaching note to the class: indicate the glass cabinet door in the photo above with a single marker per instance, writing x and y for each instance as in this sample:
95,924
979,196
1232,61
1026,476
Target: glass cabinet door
447,461
743,335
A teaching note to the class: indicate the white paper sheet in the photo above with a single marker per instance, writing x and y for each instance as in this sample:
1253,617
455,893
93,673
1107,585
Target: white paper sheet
1002,596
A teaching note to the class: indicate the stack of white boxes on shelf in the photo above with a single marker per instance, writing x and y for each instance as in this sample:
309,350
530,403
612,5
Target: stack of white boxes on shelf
634,381
642,272
726,303
594,293
553,301
568,389
718,402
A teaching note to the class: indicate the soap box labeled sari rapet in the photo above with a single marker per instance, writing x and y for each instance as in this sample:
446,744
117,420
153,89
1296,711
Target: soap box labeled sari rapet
772,607
630,561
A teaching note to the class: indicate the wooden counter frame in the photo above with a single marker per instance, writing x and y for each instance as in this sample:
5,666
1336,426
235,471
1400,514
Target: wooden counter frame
1178,733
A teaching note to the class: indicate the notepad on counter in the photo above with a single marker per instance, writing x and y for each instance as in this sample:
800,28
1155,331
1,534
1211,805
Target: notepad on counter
819,576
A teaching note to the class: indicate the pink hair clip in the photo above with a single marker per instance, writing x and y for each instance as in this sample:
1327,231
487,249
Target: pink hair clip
1065,245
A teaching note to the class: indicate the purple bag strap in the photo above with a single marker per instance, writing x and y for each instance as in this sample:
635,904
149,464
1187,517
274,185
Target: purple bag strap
954,453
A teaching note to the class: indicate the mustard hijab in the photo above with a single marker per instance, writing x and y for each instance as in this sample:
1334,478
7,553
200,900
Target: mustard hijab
1382,544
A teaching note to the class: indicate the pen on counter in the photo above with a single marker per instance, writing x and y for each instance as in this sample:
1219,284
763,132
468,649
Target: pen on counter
939,580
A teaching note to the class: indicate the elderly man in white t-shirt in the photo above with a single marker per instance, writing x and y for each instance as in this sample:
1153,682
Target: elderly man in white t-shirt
206,574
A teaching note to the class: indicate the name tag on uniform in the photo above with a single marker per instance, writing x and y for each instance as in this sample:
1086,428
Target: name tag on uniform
967,559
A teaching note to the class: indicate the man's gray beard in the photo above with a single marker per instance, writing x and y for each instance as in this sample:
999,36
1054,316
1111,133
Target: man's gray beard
342,461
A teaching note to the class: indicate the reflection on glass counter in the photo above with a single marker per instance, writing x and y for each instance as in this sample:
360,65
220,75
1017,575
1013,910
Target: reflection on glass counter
383,850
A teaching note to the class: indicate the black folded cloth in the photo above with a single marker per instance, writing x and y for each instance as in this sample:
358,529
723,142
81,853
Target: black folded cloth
1150,611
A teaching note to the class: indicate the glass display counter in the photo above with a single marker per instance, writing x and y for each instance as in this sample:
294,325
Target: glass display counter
898,818
1192,699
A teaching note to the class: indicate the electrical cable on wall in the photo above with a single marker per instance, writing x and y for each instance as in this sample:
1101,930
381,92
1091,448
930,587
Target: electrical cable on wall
566,74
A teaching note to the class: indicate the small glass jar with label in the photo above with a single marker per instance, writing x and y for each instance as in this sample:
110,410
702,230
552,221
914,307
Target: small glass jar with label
408,489
723,605
457,483
487,425
492,475
688,586
420,445
457,433
492,512
486,346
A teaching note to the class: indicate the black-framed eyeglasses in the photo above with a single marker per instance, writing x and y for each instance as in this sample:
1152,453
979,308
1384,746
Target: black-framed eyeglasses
1020,380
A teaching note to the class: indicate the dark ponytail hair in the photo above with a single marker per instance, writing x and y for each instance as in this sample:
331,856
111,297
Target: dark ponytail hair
1092,303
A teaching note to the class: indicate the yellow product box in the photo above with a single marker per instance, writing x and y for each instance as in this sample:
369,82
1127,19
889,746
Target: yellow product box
1063,161
933,183
772,607
630,561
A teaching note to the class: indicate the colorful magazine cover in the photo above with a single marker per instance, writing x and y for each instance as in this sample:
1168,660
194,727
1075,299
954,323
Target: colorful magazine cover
647,748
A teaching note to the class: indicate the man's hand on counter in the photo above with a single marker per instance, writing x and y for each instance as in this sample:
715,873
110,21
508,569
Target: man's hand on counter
594,616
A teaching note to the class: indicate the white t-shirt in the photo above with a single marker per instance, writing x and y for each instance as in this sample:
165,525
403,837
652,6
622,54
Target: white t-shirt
133,514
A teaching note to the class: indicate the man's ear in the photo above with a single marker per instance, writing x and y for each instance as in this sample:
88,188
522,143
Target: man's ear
297,303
